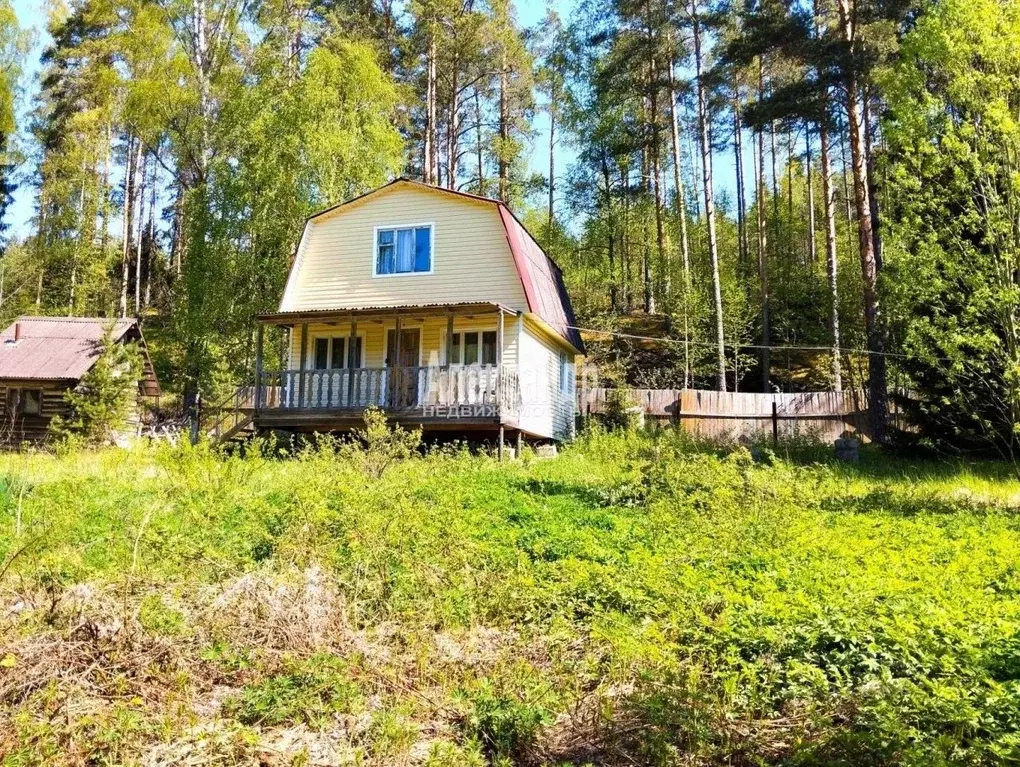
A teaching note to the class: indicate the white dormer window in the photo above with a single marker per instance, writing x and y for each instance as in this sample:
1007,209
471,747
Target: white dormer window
403,250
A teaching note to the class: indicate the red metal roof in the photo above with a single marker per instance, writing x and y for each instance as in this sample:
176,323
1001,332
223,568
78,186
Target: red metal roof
55,348
542,280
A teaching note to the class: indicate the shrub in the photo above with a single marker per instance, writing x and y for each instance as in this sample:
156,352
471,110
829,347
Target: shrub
101,403
384,444
506,725
310,692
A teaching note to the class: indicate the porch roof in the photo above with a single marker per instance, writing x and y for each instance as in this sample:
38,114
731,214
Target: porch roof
419,310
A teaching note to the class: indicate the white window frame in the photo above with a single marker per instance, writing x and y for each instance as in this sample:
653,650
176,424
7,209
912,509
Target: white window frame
460,332
314,336
564,382
375,248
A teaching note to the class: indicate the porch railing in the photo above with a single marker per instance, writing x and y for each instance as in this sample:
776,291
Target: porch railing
390,388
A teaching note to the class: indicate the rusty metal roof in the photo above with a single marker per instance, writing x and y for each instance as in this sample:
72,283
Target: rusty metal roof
427,308
56,348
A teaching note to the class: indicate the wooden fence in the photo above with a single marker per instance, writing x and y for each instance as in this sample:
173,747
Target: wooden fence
733,415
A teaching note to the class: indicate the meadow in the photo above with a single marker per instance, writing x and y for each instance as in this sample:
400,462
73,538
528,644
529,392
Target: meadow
635,600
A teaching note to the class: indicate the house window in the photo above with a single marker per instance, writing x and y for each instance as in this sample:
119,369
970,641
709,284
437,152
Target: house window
564,373
24,401
472,347
332,353
32,403
403,251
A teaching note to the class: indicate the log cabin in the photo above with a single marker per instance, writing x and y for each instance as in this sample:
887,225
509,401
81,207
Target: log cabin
437,306
41,358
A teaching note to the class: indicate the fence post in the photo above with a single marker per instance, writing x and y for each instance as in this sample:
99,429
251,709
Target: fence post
775,424
197,418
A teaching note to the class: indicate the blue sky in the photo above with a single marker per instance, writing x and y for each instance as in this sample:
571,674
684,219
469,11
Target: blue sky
32,15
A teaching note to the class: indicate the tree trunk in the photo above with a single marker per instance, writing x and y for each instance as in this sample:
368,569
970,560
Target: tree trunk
152,237
738,161
681,215
478,143
830,246
129,174
104,198
429,149
811,247
80,245
763,240
876,227
504,130
628,296
646,249
552,163
869,266
660,242
611,234
142,165
706,169
789,189
775,188
453,126
177,233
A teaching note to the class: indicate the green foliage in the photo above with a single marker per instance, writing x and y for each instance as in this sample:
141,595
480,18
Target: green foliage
507,726
310,691
102,401
646,599
953,138
383,444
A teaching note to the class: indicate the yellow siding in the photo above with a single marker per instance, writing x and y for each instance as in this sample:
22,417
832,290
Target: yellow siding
471,260
433,338
545,410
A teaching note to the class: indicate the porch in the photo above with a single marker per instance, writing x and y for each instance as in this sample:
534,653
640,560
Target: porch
441,367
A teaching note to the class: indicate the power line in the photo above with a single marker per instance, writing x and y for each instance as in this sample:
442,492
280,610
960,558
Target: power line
708,344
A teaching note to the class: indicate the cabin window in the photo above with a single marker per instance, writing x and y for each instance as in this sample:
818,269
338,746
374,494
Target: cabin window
24,401
332,353
473,347
32,404
564,373
403,251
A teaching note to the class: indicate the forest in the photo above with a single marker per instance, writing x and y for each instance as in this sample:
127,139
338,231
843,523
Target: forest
785,195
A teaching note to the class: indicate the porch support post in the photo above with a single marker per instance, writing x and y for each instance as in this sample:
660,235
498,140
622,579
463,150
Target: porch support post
449,338
395,363
500,450
301,365
499,340
259,335
499,377
353,360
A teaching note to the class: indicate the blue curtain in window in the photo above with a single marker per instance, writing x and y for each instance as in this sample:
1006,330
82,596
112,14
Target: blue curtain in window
405,250
422,248
386,263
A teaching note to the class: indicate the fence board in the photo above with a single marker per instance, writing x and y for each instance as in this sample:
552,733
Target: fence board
732,415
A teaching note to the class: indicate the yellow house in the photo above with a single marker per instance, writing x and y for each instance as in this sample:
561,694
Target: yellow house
437,306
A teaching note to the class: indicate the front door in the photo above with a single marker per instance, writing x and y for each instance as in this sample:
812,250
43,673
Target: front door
403,371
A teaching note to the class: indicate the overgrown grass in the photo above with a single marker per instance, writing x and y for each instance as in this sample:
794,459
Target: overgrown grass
635,600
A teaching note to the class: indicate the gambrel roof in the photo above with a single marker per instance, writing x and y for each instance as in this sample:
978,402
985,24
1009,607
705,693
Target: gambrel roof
541,279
